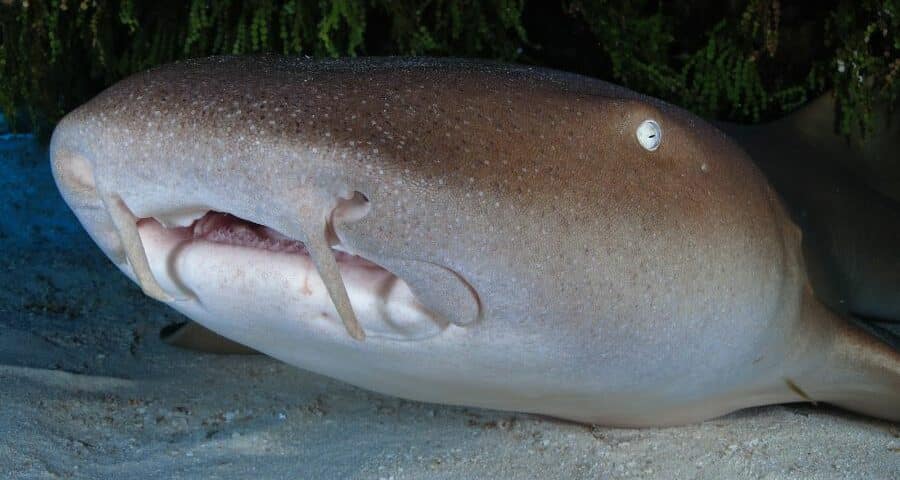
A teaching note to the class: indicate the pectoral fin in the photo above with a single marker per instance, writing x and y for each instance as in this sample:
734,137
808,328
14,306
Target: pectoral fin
193,336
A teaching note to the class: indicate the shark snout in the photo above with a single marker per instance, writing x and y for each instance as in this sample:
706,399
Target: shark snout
75,180
209,259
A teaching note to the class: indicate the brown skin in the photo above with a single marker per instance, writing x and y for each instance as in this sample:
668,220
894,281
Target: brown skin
426,135
845,195
600,281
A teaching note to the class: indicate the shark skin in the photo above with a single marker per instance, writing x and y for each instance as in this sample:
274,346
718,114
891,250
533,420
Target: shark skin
465,233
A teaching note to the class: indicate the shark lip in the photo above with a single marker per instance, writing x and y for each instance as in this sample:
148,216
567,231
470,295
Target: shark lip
225,261
227,229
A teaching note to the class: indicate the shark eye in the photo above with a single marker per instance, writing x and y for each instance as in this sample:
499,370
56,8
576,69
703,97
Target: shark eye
649,135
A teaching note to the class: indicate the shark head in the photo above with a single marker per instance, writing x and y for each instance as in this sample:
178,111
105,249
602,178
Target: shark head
444,230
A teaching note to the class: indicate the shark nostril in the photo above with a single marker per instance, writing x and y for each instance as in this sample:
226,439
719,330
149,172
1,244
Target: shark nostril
352,209
347,210
75,177
81,173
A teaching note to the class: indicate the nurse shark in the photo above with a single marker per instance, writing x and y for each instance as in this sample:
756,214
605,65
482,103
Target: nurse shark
468,233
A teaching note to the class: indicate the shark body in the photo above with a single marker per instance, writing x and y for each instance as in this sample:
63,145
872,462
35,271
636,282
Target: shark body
465,233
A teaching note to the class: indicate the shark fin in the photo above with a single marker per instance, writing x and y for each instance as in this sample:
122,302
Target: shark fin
193,336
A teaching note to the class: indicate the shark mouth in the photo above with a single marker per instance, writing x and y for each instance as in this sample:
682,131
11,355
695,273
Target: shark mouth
216,267
227,229
220,257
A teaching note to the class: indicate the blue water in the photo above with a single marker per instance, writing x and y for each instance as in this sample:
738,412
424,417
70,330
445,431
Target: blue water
54,281
33,215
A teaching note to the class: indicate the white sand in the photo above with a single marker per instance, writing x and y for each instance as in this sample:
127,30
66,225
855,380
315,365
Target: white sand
87,390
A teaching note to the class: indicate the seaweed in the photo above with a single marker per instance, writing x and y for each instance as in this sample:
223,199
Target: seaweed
747,61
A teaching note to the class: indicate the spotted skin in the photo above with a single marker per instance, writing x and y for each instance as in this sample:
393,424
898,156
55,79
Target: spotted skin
578,274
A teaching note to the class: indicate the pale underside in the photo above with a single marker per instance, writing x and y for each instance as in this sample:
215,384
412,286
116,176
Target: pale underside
260,288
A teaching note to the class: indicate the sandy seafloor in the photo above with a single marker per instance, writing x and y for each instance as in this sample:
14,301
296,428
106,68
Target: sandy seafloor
87,390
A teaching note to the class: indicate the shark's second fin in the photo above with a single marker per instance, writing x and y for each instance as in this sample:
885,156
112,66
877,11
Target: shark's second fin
193,336
845,195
